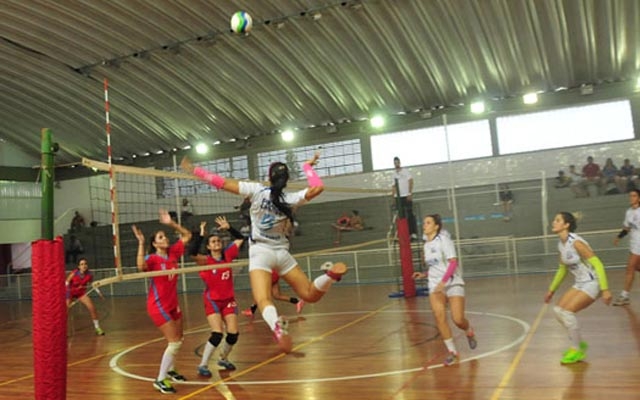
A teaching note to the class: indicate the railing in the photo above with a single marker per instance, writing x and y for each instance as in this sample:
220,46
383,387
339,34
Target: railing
479,257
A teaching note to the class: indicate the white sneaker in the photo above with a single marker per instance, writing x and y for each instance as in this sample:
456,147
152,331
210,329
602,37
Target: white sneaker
621,301
281,334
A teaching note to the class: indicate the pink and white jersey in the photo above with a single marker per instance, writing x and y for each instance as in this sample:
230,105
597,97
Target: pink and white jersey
268,224
632,221
219,281
437,253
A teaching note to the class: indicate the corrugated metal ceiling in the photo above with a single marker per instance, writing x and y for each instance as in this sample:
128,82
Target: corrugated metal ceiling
177,75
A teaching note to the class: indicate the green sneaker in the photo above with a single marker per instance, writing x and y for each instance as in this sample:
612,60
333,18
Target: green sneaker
573,356
99,332
583,347
164,386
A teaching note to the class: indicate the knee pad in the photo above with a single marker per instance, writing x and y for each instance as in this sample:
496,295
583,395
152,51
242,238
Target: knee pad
174,347
567,318
215,338
232,338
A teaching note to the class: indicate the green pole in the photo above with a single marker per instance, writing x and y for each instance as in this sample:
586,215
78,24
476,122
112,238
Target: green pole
48,149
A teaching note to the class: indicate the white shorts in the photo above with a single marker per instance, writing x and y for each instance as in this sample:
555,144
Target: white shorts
591,288
449,290
266,258
634,248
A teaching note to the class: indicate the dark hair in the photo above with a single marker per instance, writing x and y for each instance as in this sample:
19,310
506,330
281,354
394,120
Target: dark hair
396,158
569,219
278,177
152,239
637,191
82,258
437,219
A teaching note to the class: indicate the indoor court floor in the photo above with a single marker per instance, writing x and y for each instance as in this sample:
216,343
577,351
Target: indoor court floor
355,343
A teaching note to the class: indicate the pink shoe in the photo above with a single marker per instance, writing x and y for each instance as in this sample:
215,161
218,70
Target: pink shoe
247,313
337,270
281,334
299,306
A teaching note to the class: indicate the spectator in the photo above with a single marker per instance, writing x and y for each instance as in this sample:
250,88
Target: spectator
348,223
74,249
609,175
77,223
627,178
506,200
245,213
592,175
562,180
403,180
186,210
576,182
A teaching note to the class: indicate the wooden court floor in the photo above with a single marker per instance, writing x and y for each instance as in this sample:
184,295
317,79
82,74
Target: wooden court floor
356,343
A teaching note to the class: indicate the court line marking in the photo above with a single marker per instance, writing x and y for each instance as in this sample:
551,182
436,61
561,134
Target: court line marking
516,360
525,328
281,355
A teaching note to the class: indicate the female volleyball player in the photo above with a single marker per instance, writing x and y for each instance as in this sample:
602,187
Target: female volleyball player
591,281
219,296
631,224
272,221
77,282
162,301
276,294
445,284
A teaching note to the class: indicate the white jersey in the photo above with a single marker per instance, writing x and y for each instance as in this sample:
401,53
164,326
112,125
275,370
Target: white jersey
268,224
632,222
581,270
437,253
403,177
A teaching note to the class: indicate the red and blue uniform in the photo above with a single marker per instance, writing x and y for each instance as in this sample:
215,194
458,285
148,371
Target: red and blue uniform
219,295
78,284
162,300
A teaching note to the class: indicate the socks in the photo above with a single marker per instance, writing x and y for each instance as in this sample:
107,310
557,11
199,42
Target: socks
323,282
206,354
270,316
450,345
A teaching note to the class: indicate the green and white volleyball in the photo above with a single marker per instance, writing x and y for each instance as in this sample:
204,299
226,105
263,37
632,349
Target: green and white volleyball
241,22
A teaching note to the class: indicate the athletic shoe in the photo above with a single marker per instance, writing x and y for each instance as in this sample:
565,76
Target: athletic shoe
583,347
164,386
621,301
226,364
336,271
204,372
175,376
299,306
281,334
572,356
326,266
451,359
99,332
247,313
473,343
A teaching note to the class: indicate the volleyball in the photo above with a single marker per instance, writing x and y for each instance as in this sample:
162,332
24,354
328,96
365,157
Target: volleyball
241,22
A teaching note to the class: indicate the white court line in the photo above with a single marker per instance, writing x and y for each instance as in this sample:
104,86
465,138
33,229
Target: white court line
113,363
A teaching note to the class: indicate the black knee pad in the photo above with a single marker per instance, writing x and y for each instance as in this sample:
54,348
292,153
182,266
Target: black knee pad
215,338
232,338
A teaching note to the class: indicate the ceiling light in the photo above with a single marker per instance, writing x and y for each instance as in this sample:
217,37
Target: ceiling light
202,148
377,121
287,135
477,107
530,98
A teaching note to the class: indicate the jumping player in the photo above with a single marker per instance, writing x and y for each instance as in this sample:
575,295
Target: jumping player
219,296
445,285
631,224
162,300
77,282
271,224
591,281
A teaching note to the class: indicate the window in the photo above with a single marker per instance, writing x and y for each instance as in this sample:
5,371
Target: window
429,145
337,158
597,123
235,167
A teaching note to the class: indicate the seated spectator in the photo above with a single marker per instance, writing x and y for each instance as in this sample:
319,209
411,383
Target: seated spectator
506,199
576,182
74,249
592,175
562,180
186,210
348,223
627,178
77,223
609,175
